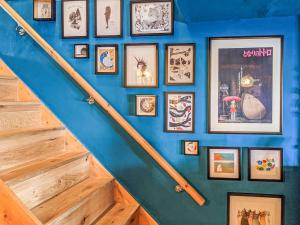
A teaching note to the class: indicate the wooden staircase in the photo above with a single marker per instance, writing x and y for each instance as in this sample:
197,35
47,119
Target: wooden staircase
48,175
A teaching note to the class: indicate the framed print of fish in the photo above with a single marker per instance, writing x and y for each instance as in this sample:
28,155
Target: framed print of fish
108,18
44,10
74,18
154,17
245,85
179,112
106,59
146,105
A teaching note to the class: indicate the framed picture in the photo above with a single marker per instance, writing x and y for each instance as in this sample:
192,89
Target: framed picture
106,59
180,64
245,85
141,65
190,147
179,111
81,51
257,208
265,164
74,18
108,18
146,105
154,17
223,163
44,10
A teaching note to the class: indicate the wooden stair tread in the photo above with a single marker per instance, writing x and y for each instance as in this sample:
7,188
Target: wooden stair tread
26,131
8,77
4,103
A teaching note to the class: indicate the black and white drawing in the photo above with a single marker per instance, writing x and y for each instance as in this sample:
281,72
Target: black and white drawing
145,105
43,9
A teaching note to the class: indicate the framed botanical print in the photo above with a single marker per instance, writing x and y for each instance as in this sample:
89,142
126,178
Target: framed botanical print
106,59
265,164
190,147
154,17
260,209
146,105
180,64
141,65
81,51
108,18
74,18
245,85
44,10
179,112
223,163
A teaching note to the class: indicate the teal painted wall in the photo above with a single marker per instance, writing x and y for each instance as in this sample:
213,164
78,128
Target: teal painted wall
119,153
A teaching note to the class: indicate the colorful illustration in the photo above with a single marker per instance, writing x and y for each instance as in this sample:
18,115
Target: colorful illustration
106,59
191,148
253,217
146,105
223,162
267,164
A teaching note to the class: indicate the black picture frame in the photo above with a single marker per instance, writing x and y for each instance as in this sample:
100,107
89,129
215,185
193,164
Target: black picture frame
136,105
184,149
53,11
116,47
88,51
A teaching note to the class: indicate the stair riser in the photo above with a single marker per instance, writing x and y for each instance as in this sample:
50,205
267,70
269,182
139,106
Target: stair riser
8,90
20,119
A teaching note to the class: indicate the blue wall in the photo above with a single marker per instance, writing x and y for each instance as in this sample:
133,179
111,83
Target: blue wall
118,152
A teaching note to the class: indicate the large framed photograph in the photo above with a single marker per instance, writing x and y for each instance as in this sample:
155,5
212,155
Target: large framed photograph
74,18
146,105
245,85
180,64
141,65
179,112
154,17
265,164
44,10
108,18
255,209
106,59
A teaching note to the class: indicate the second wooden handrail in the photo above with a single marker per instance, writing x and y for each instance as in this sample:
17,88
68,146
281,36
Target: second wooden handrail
104,104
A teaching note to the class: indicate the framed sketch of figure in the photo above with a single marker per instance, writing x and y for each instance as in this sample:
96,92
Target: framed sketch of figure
44,10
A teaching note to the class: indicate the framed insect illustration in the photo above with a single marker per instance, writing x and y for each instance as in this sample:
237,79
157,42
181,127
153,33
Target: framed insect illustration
81,51
106,59
44,10
190,147
146,105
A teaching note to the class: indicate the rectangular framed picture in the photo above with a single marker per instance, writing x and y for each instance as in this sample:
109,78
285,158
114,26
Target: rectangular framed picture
179,112
44,10
106,59
108,18
141,65
265,164
255,209
81,51
154,17
74,18
223,163
146,105
180,64
190,147
245,85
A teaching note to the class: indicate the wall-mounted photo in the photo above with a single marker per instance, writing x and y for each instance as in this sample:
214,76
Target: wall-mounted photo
108,18
106,59
44,10
146,105
255,209
190,147
154,17
81,51
141,65
223,163
245,89
74,18
179,111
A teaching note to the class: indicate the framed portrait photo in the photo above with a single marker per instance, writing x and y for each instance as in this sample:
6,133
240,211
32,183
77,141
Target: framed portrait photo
190,147
106,59
44,10
141,65
245,85
146,105
223,163
180,64
74,18
265,164
256,208
179,112
154,17
81,51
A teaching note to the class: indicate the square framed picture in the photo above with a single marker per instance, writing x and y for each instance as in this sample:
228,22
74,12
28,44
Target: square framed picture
154,17
179,112
180,64
74,18
245,85
190,147
265,164
81,51
141,65
108,18
146,105
244,208
223,163
106,59
44,10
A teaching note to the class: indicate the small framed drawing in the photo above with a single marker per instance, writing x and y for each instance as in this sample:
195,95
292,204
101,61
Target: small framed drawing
265,164
223,163
141,65
190,147
180,64
106,59
146,105
154,17
44,10
74,18
81,51
245,85
108,18
179,112
253,209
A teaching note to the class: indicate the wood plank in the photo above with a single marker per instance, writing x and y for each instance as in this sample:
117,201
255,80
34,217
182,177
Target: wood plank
25,94
8,88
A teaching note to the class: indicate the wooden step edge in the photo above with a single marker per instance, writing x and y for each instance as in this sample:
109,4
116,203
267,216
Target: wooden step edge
12,103
25,131
10,78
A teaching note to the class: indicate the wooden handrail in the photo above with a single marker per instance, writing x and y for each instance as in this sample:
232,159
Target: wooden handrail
104,104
